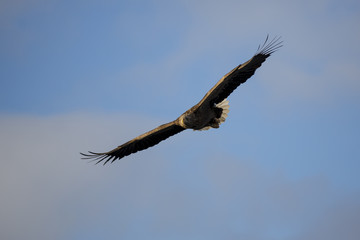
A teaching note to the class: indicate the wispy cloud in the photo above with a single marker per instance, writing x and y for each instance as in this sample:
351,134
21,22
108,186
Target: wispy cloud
48,192
266,174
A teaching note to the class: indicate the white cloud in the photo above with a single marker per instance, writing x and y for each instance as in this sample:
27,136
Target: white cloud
44,185
49,193
339,222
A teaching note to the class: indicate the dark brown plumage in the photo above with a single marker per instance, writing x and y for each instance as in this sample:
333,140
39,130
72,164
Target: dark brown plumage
210,112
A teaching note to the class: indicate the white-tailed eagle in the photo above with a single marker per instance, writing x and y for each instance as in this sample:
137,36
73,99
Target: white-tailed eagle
210,112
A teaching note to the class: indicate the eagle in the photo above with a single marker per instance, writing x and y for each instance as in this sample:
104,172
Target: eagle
210,112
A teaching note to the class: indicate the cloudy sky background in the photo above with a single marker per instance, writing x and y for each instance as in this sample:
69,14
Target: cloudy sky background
89,75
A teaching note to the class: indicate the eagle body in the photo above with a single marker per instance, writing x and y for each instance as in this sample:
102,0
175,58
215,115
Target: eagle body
210,112
200,117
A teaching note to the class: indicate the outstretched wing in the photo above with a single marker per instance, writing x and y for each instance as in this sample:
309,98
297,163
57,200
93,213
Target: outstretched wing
142,142
227,84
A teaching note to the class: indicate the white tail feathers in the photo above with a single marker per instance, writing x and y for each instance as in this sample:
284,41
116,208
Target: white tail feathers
225,110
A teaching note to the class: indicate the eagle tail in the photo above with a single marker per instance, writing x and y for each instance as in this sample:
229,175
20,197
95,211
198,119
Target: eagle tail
224,105
225,109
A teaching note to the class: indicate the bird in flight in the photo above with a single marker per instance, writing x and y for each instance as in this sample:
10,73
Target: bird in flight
210,112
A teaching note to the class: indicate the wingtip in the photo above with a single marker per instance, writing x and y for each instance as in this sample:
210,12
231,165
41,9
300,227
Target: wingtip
269,47
96,157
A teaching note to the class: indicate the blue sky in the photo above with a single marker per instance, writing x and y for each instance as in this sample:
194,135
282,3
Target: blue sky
90,75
